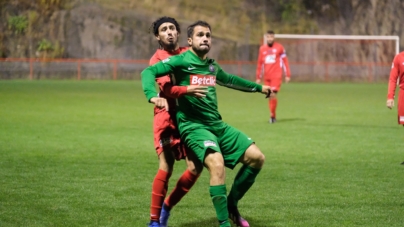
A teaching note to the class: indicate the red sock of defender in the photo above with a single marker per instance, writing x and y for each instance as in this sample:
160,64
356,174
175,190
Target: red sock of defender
159,191
272,106
184,184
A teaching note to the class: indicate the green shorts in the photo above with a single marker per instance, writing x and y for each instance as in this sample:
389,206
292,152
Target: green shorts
221,137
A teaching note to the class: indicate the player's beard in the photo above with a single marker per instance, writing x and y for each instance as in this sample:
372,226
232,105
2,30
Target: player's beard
270,44
200,51
169,45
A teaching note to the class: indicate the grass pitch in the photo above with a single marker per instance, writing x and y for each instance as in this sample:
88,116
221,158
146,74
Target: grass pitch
81,154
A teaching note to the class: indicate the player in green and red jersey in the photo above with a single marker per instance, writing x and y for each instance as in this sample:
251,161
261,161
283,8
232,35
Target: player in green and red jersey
166,136
214,142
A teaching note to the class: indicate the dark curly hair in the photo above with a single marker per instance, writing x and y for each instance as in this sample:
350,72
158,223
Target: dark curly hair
154,28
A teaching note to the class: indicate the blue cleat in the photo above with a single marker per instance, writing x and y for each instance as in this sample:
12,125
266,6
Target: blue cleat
154,224
164,215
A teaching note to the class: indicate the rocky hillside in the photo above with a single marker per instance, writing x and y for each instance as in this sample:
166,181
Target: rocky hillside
119,29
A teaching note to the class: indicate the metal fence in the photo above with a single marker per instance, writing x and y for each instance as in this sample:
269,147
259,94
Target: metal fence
112,69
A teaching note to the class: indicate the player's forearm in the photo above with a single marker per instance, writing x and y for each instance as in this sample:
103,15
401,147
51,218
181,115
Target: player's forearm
286,65
169,89
148,77
259,70
392,88
392,83
238,83
174,91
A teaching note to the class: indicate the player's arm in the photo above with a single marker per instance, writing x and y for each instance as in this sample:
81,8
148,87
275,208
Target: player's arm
170,90
285,65
164,82
260,63
394,72
175,92
238,83
150,74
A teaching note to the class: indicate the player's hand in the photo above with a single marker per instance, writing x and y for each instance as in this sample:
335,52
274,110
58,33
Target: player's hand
268,91
390,103
258,81
160,102
287,79
197,91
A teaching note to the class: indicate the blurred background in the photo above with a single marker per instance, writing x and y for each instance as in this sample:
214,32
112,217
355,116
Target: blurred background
110,39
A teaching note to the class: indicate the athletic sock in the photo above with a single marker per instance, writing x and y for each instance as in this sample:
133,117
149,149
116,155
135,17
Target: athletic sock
159,191
242,182
219,199
184,184
272,106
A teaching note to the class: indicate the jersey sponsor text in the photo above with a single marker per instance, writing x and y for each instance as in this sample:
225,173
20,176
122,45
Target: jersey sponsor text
204,80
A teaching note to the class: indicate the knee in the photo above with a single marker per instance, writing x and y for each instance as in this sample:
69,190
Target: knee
257,160
215,163
217,167
194,168
260,160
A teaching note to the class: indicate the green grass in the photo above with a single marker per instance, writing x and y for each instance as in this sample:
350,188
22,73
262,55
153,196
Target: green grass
81,154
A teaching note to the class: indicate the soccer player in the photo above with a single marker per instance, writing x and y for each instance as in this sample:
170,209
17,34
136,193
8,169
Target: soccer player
166,135
214,142
397,73
271,59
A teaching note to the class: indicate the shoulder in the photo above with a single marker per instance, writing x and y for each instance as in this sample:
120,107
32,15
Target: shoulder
158,56
154,59
279,46
263,49
183,49
401,55
175,60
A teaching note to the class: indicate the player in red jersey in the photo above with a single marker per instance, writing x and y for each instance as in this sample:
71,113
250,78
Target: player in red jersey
166,136
397,74
271,60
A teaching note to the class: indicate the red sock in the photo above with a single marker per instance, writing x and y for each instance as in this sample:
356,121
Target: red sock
184,184
159,191
272,106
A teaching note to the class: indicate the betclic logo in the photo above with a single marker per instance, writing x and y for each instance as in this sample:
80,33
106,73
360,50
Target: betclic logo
203,80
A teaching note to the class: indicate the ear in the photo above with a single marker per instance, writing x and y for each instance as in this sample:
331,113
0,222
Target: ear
157,37
190,41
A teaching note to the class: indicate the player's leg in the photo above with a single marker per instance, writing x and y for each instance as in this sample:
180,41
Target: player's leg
160,184
184,184
215,164
162,141
252,161
400,106
206,148
275,85
238,147
186,181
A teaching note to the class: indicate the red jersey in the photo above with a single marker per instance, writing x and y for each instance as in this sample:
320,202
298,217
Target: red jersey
396,73
273,59
167,90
